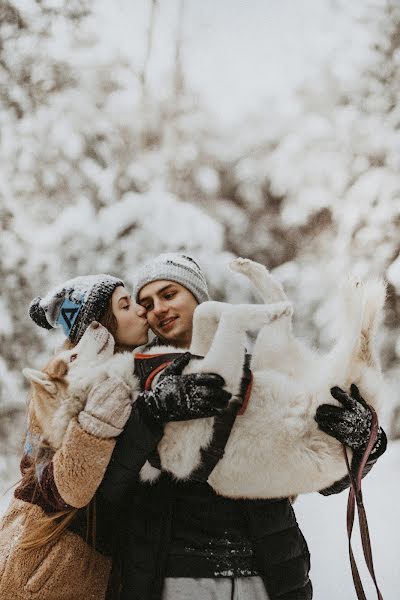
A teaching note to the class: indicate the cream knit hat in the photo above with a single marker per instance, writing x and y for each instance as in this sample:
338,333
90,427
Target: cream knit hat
173,266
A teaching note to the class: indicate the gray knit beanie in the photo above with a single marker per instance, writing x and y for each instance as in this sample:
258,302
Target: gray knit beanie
173,266
74,304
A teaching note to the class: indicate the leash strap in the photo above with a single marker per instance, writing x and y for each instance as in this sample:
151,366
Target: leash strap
212,454
355,498
223,424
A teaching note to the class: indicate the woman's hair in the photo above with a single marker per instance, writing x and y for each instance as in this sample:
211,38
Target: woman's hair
109,320
49,527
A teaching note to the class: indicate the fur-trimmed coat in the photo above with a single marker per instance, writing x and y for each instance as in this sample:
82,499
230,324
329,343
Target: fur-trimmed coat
69,568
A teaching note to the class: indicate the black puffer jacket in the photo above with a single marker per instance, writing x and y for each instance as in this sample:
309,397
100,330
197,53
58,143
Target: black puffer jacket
173,529
185,530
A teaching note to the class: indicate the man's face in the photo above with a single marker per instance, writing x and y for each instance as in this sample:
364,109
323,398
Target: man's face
169,311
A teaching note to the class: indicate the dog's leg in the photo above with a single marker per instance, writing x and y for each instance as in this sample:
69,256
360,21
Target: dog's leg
205,322
277,339
226,354
208,314
270,289
341,361
355,358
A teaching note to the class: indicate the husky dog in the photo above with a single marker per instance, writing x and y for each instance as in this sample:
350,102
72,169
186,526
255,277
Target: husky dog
59,391
275,448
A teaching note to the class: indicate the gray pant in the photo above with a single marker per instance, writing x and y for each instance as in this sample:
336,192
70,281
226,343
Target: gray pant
221,588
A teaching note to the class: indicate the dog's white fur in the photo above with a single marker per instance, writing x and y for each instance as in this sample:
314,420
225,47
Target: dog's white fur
59,391
275,448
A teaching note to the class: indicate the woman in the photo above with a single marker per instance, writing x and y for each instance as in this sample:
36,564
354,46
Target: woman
56,538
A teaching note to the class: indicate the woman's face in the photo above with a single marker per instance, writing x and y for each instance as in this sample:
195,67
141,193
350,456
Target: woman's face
132,325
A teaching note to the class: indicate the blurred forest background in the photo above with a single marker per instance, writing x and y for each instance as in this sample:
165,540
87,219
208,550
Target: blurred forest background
269,130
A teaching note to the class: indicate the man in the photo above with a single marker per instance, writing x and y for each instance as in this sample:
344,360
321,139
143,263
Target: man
183,541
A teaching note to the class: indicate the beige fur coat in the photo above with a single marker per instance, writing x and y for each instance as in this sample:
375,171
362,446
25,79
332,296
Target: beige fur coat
67,569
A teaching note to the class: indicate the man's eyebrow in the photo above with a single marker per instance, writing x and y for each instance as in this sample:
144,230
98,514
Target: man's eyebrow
165,288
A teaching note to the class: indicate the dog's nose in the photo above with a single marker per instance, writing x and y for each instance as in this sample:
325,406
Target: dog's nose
95,325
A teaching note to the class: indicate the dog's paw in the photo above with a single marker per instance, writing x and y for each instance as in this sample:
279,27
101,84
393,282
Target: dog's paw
287,311
279,310
149,473
246,266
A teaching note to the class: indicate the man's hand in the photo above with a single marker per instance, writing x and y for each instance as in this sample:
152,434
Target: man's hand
178,397
350,425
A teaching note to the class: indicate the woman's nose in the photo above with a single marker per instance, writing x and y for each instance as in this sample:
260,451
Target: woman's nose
140,311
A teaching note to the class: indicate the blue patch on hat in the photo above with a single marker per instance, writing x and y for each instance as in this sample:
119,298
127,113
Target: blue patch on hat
28,448
68,314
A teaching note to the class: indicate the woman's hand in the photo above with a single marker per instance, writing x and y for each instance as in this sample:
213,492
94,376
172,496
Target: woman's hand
107,408
178,397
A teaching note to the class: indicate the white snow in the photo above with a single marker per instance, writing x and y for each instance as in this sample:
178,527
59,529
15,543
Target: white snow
323,522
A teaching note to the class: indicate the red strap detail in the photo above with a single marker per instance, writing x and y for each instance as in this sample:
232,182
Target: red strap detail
247,395
149,380
142,356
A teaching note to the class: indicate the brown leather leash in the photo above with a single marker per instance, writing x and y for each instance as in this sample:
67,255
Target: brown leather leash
355,498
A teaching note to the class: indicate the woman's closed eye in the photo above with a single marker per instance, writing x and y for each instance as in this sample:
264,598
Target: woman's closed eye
124,303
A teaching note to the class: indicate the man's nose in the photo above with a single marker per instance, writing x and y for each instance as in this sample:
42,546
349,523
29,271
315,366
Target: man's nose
158,308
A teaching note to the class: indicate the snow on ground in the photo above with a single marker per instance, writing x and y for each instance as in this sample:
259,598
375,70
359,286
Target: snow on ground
323,522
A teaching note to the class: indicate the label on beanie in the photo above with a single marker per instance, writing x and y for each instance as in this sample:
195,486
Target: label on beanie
68,313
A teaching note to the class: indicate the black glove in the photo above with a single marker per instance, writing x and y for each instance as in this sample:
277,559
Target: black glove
350,425
179,397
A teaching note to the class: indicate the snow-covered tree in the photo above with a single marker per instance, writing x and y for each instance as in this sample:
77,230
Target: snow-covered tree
84,187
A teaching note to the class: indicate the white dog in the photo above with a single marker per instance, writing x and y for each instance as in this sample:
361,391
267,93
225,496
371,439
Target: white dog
275,448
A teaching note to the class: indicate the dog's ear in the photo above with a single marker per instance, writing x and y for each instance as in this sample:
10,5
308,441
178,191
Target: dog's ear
41,379
56,369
